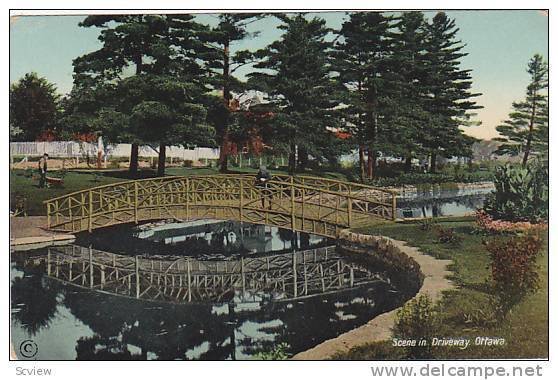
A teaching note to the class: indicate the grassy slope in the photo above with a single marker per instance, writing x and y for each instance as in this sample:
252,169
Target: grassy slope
466,310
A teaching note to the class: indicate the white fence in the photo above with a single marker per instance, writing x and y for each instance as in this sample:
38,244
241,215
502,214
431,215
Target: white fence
72,149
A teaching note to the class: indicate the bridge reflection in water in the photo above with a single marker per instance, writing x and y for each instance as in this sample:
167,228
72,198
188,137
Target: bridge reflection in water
280,277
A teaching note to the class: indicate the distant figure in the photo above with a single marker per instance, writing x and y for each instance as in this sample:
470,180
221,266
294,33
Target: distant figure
43,170
262,179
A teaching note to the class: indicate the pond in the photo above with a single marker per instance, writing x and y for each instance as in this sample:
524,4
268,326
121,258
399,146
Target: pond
210,290
442,200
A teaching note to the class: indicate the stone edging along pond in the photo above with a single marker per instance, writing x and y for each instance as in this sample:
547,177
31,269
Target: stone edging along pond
418,272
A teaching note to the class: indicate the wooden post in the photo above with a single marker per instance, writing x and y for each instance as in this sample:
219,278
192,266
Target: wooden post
90,267
48,261
241,199
295,284
243,279
137,278
351,277
48,215
349,209
340,273
135,202
293,218
322,277
393,206
188,205
189,280
90,227
102,276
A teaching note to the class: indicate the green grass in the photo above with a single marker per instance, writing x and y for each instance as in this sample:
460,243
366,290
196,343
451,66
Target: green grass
467,311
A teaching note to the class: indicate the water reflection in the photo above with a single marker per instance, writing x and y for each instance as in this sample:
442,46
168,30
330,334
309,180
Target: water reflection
207,238
279,277
92,324
436,201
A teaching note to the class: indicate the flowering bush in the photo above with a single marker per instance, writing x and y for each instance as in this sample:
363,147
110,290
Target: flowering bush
513,267
485,222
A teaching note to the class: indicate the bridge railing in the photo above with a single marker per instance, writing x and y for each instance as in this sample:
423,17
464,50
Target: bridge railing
302,203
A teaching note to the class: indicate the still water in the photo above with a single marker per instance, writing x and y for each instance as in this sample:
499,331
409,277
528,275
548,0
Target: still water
436,201
213,290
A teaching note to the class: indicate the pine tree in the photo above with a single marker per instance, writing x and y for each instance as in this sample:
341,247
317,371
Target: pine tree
232,27
362,58
299,85
34,107
526,130
165,89
449,102
408,75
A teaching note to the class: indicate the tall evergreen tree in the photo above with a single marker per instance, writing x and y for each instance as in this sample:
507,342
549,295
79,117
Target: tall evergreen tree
362,58
298,82
408,75
34,107
526,130
449,102
148,70
232,27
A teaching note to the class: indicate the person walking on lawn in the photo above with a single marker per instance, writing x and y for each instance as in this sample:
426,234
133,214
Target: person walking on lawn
43,170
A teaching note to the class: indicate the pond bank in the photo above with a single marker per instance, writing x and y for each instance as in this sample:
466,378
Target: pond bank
379,328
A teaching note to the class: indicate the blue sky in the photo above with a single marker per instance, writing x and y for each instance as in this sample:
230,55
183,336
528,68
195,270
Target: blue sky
499,43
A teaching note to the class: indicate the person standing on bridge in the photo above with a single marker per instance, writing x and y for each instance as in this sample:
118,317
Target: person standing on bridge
262,182
43,170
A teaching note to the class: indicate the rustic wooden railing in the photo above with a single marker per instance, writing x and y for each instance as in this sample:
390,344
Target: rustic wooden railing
310,204
285,276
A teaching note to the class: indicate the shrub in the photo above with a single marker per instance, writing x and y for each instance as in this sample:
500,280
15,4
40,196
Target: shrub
417,320
188,163
486,223
448,236
427,224
278,352
513,268
521,193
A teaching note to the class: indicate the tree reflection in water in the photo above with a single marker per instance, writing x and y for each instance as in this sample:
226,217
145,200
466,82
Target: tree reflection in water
34,299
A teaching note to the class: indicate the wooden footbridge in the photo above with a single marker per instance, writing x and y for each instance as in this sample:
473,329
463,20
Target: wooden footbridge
301,203
282,277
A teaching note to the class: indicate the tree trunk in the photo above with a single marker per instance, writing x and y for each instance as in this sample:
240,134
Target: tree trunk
292,159
530,135
224,153
371,164
361,163
433,162
134,153
162,160
302,158
408,162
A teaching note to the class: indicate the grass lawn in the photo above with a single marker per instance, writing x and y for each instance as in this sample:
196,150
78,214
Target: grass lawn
466,311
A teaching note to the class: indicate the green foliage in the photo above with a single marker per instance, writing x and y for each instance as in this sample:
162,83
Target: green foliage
448,236
513,268
278,352
297,80
34,108
521,193
526,130
418,320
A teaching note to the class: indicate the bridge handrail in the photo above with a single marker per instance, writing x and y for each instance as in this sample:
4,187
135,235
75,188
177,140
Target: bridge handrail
224,190
169,178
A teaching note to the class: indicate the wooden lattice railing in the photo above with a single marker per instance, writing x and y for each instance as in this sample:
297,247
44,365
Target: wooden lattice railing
315,205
